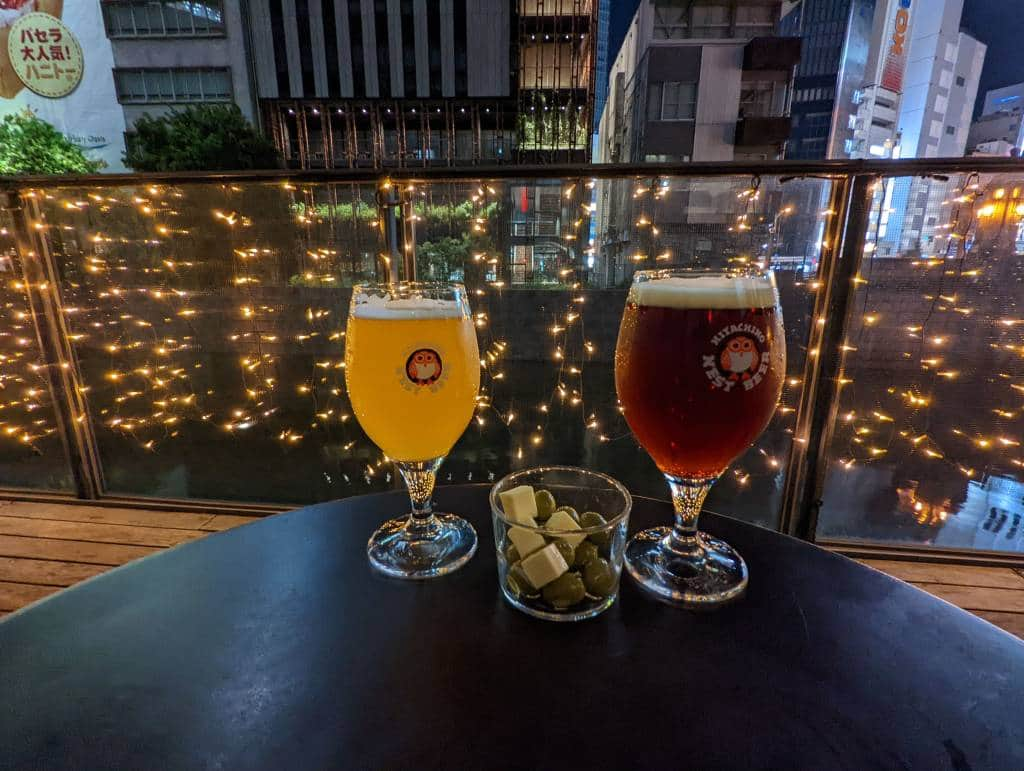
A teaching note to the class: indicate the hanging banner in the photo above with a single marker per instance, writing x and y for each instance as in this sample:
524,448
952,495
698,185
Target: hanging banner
56,60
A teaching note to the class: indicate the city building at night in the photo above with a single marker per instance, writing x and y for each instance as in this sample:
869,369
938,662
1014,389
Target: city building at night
921,83
353,83
708,81
917,102
837,37
169,54
999,130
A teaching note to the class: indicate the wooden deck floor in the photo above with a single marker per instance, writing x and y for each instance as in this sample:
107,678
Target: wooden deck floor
45,547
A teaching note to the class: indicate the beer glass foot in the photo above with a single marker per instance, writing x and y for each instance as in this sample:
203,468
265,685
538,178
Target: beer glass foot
715,575
402,548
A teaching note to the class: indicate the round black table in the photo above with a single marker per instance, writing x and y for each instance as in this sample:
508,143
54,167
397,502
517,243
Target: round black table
274,646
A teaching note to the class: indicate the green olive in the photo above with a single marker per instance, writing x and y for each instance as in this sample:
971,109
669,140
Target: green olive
511,554
518,583
568,552
598,577
585,552
593,519
564,591
546,505
515,581
571,512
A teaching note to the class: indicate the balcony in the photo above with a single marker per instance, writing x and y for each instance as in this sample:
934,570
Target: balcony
762,132
180,339
772,53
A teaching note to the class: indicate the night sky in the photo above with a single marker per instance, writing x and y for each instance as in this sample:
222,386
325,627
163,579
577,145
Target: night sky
991,21
998,25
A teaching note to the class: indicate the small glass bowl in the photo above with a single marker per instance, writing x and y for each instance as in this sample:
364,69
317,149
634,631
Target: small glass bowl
604,545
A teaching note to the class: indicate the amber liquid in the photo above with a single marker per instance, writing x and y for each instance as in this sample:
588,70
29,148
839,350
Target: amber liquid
693,408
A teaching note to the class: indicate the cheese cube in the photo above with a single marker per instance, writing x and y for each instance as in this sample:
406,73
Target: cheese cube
526,541
561,520
544,566
520,505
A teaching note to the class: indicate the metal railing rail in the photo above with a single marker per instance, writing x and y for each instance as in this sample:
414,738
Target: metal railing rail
842,249
782,169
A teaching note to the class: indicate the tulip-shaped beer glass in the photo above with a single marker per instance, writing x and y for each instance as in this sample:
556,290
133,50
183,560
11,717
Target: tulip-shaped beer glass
412,366
698,369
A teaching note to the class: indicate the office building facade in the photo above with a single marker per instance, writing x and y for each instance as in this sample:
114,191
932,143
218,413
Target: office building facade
922,83
1000,129
836,37
923,75
702,81
169,54
354,83
602,63
1005,99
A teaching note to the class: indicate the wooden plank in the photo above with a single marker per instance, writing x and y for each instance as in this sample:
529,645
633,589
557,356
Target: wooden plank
89,531
978,597
1011,622
29,571
227,521
107,516
14,596
71,551
962,575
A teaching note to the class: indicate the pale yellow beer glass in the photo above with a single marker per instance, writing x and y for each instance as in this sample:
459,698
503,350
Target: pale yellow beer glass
412,366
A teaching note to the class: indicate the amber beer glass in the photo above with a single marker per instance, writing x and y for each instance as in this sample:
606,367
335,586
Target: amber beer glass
698,369
412,367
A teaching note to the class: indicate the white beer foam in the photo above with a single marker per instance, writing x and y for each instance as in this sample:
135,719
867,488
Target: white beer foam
706,292
407,308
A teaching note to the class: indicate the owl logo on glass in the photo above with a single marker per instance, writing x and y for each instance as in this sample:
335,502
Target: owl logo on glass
741,357
423,367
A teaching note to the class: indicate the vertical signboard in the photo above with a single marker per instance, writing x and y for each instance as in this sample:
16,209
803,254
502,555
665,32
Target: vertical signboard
897,43
56,61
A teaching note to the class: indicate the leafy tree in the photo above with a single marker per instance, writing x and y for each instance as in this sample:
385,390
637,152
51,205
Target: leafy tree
342,211
443,259
30,145
203,137
452,259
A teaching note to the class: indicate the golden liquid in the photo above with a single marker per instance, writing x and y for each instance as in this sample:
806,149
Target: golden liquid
408,420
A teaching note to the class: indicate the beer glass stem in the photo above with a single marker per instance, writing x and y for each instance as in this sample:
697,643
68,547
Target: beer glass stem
687,498
419,478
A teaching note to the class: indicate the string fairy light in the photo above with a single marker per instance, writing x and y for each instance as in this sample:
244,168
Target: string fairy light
144,296
983,225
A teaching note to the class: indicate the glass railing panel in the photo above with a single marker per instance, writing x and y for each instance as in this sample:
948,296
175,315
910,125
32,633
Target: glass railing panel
32,453
210,323
926,448
208,327
548,264
719,223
